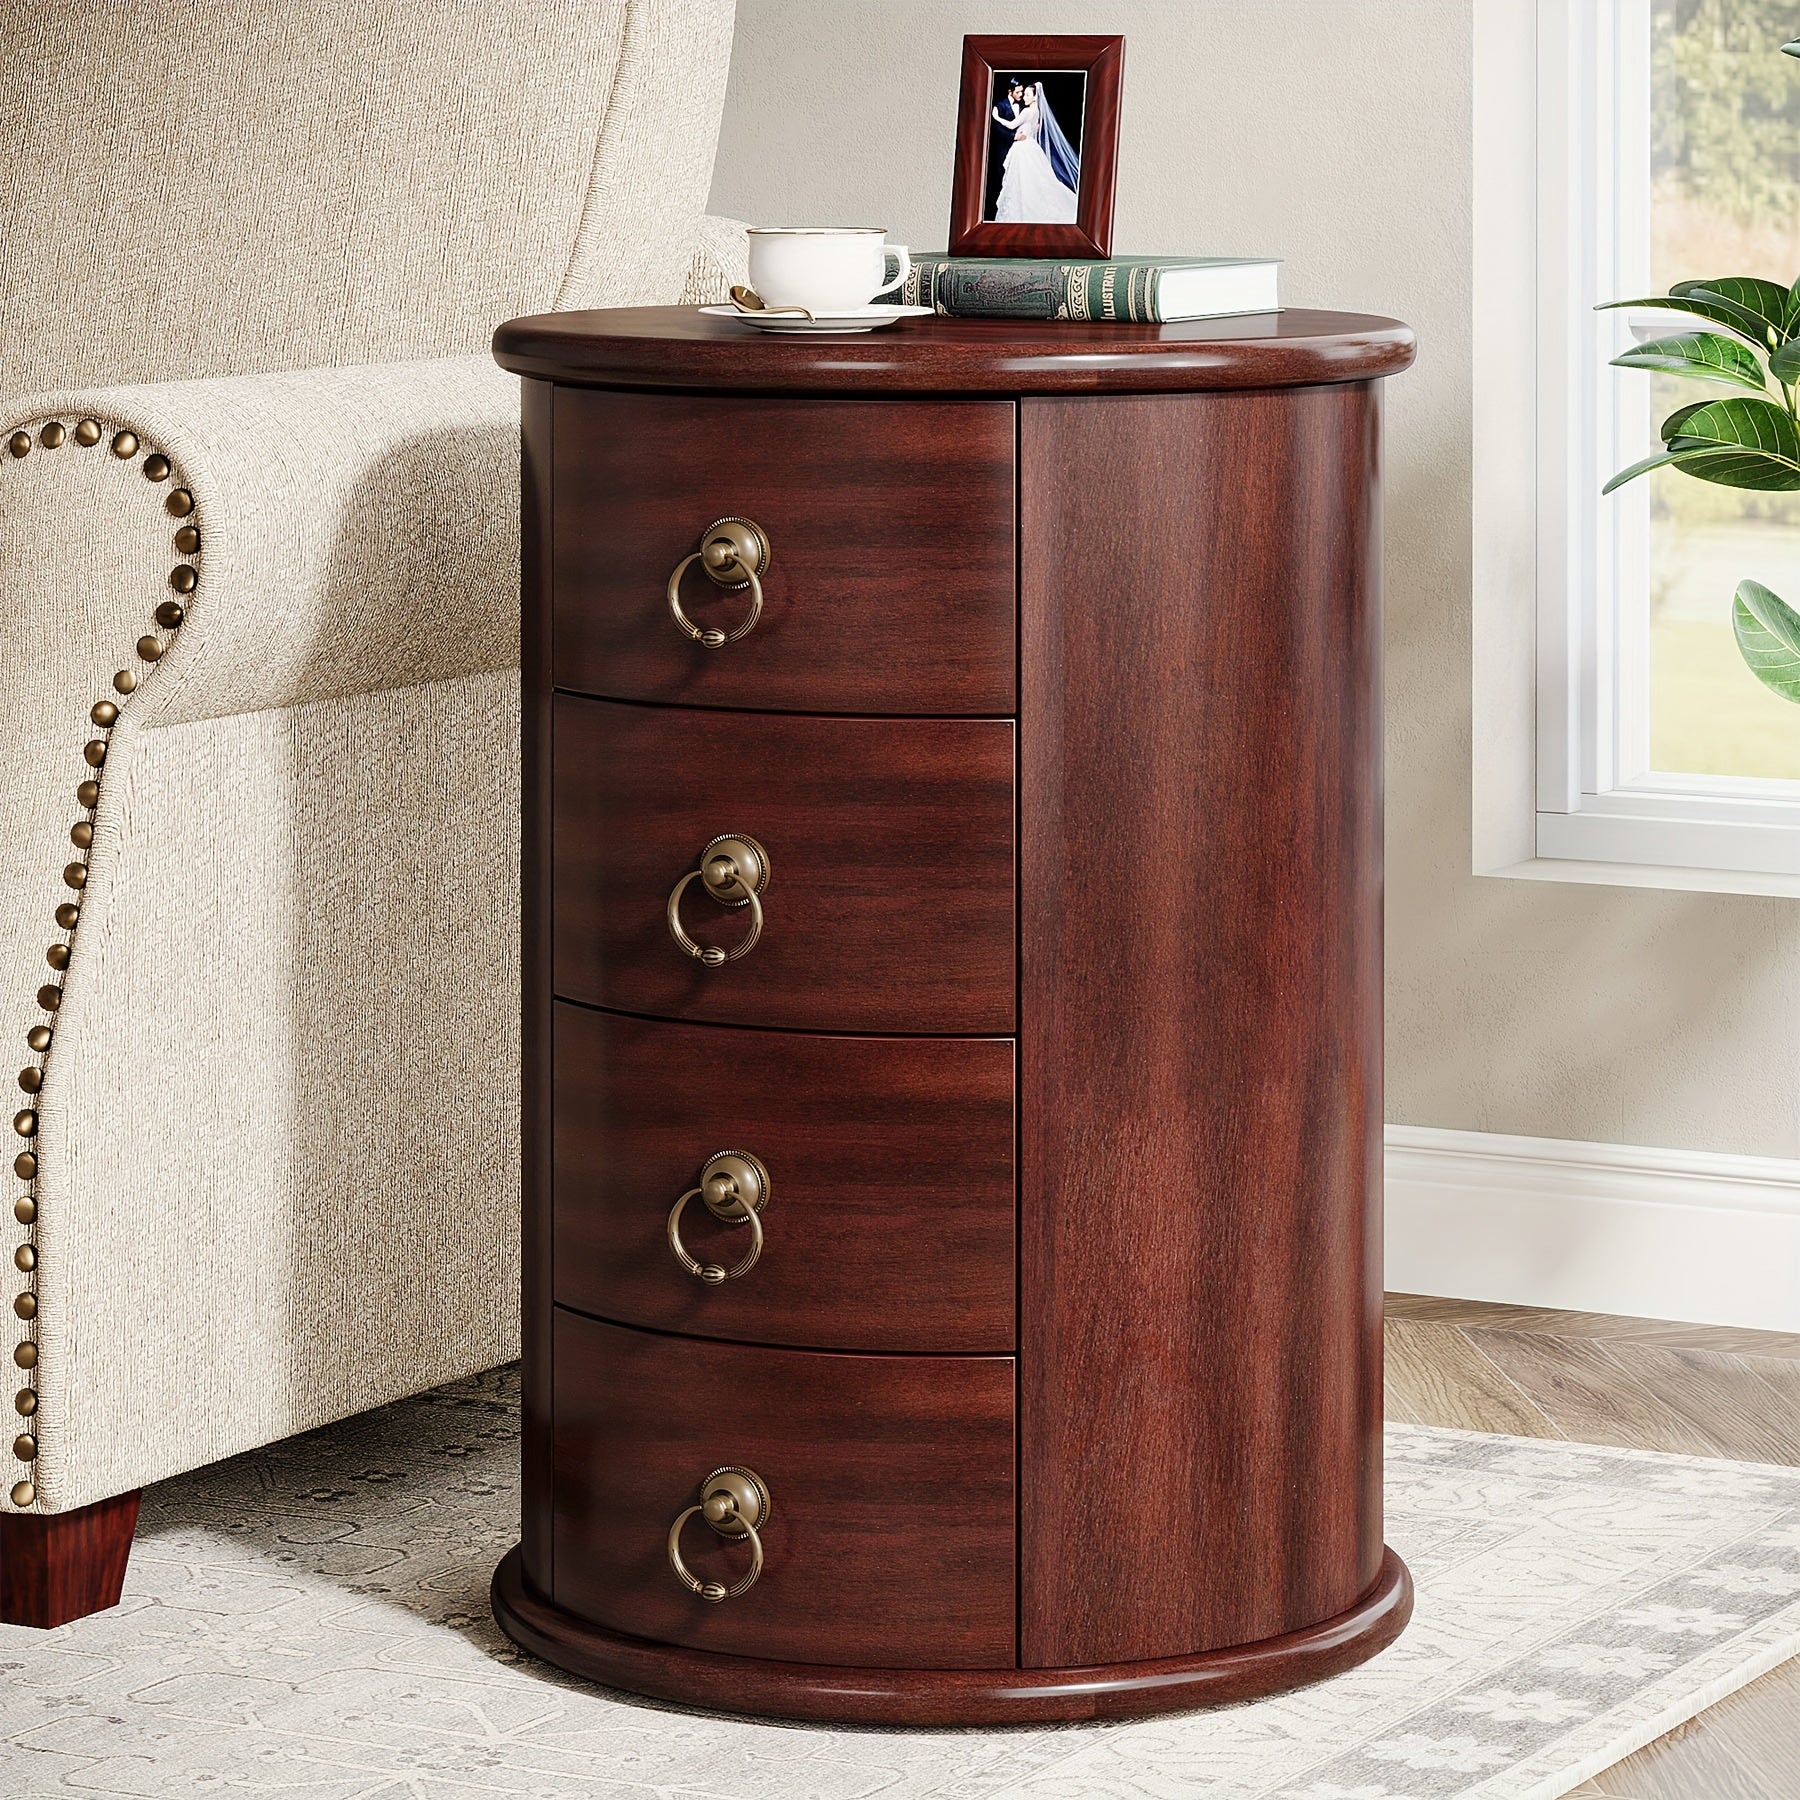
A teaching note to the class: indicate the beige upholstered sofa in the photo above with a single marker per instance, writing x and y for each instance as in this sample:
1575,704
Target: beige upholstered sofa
258,555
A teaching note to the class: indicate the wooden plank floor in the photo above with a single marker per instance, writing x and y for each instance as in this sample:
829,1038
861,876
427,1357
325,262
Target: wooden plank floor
1700,1389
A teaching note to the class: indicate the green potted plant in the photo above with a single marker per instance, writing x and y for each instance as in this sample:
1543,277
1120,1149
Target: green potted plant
1749,438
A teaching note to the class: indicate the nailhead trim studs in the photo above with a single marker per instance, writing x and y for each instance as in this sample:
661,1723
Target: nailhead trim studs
178,503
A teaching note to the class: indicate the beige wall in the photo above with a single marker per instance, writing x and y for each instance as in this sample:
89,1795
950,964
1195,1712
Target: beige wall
1335,134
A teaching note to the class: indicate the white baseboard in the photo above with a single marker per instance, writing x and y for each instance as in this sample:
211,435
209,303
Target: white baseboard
1658,1234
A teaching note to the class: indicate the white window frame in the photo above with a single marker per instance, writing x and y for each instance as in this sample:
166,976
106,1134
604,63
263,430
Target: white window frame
1562,179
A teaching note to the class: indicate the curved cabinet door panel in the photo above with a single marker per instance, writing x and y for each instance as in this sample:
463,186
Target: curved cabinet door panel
890,585
889,1539
1228,1050
889,1221
889,905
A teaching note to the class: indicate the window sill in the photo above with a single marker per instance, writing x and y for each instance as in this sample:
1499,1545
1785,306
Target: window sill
1681,879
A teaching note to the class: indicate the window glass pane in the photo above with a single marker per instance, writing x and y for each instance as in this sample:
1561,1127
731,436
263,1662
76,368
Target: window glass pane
1725,200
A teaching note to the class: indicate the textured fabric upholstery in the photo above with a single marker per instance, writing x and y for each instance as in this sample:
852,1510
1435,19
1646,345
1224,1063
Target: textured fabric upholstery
723,257
361,528
205,189
277,1136
277,1139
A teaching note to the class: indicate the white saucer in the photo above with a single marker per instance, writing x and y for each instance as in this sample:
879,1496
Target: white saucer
855,318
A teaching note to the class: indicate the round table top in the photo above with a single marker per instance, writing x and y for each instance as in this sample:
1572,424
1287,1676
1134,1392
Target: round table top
679,347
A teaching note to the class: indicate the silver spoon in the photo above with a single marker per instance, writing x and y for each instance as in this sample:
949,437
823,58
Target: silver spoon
747,299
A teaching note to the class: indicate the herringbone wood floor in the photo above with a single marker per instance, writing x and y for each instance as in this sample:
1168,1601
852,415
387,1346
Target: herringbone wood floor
1700,1389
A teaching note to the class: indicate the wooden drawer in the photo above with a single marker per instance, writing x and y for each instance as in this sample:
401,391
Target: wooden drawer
889,1541
890,841
889,1224
890,585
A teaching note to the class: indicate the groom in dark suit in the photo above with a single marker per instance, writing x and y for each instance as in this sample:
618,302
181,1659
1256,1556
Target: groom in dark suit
1003,120
1007,112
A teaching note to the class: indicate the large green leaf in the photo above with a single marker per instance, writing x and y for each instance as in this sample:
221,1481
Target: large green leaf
1671,426
1792,49
1765,301
1739,442
1703,354
1748,325
1768,637
1790,320
1739,469
1660,460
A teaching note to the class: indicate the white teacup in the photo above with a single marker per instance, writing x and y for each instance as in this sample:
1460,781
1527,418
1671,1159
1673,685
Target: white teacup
824,268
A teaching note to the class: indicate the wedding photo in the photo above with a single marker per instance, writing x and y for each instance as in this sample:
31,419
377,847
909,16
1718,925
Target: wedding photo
1036,142
1034,147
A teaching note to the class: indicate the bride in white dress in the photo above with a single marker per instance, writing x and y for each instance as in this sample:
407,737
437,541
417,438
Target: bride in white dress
1041,172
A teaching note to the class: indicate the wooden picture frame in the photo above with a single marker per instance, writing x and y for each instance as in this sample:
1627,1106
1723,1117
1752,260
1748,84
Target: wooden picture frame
974,231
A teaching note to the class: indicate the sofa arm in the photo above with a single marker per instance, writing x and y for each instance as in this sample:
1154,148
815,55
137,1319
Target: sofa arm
256,907
721,257
358,528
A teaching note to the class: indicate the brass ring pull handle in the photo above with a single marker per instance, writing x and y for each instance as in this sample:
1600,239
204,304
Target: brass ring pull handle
733,1502
734,1187
734,870
735,554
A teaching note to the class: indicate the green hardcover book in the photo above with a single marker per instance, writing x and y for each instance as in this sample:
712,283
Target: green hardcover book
1145,290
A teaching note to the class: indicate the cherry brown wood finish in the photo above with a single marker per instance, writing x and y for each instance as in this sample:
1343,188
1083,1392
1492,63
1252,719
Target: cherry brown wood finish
536,476
949,1696
1200,916
676,347
890,580
1173,1495
890,904
890,1530
55,1567
890,1222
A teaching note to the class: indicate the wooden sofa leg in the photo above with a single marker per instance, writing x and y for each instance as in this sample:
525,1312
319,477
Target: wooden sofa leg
55,1567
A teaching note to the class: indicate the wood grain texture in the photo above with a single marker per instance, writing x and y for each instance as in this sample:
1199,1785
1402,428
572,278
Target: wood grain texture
1651,1384
952,1696
1616,1330
536,475
890,1219
890,1539
676,347
1434,1375
890,580
1194,1511
1200,1045
890,903
55,1567
1587,1392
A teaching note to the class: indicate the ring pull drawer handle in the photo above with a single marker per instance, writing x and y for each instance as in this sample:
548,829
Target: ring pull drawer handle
735,555
734,1502
734,870
734,1188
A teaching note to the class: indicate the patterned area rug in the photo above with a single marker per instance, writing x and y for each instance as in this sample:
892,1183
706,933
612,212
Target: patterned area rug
312,1620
